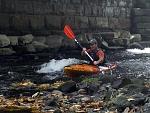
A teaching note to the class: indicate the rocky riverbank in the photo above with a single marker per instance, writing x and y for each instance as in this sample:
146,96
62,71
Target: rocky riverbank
28,44
98,94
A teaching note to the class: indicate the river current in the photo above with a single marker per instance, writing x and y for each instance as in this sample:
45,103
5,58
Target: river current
131,62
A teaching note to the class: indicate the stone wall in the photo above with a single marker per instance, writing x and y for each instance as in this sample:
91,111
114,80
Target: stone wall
45,17
141,19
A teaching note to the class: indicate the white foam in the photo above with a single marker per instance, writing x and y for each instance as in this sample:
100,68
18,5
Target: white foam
57,65
139,51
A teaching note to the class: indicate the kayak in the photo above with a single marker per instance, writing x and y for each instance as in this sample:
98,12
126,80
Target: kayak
77,70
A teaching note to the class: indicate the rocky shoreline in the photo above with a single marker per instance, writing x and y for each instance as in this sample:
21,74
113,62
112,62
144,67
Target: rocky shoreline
97,94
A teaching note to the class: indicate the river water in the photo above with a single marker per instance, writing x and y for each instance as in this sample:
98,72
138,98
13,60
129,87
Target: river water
131,62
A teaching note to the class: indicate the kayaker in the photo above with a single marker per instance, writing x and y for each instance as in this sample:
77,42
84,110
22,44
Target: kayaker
96,53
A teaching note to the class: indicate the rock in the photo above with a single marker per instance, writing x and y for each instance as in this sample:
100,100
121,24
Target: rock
4,41
54,41
68,87
135,38
26,39
82,91
86,99
51,102
121,83
39,46
6,51
57,111
13,40
135,45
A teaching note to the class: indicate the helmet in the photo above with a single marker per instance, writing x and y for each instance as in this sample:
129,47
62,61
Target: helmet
93,41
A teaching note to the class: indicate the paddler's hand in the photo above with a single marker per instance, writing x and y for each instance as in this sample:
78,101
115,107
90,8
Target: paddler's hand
84,49
95,62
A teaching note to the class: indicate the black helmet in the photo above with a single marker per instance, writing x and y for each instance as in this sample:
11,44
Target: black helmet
93,41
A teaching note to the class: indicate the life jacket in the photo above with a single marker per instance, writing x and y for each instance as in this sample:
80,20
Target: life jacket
95,55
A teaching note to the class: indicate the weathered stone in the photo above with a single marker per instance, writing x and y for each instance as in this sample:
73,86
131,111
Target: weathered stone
26,39
143,25
53,22
101,22
41,39
141,19
6,51
92,22
13,40
141,12
135,38
46,7
37,22
23,6
81,22
4,21
20,22
4,41
68,87
54,41
39,46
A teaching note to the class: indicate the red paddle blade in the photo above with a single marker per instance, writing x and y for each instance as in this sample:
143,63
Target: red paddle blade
68,31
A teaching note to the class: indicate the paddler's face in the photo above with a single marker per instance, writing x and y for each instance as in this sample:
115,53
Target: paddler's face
93,46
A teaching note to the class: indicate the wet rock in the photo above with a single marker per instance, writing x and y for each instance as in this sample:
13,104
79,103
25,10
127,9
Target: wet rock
146,108
51,102
68,87
82,91
57,111
135,45
13,40
86,99
26,39
121,83
4,41
39,46
6,51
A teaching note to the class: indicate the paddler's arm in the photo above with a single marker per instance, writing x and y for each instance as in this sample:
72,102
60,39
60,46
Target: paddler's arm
101,55
83,51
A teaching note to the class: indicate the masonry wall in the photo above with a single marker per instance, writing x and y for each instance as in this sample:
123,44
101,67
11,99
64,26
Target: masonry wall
44,17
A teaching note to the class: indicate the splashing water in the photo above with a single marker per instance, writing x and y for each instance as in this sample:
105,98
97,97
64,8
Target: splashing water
139,51
58,65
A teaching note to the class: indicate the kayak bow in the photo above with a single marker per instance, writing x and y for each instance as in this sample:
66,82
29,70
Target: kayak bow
77,70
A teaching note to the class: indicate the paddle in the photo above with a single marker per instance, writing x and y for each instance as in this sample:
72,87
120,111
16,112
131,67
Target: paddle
70,34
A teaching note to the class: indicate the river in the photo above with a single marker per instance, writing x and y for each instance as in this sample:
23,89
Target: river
131,62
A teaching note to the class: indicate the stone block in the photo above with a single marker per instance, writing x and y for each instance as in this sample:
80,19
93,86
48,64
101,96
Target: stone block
124,23
7,6
141,19
23,6
143,25
141,12
143,31
53,22
102,22
113,23
37,22
87,10
108,11
92,22
42,7
81,22
4,21
20,22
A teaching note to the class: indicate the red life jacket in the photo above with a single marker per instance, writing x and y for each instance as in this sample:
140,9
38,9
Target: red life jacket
95,54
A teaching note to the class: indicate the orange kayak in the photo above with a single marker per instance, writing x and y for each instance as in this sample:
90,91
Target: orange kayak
77,70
